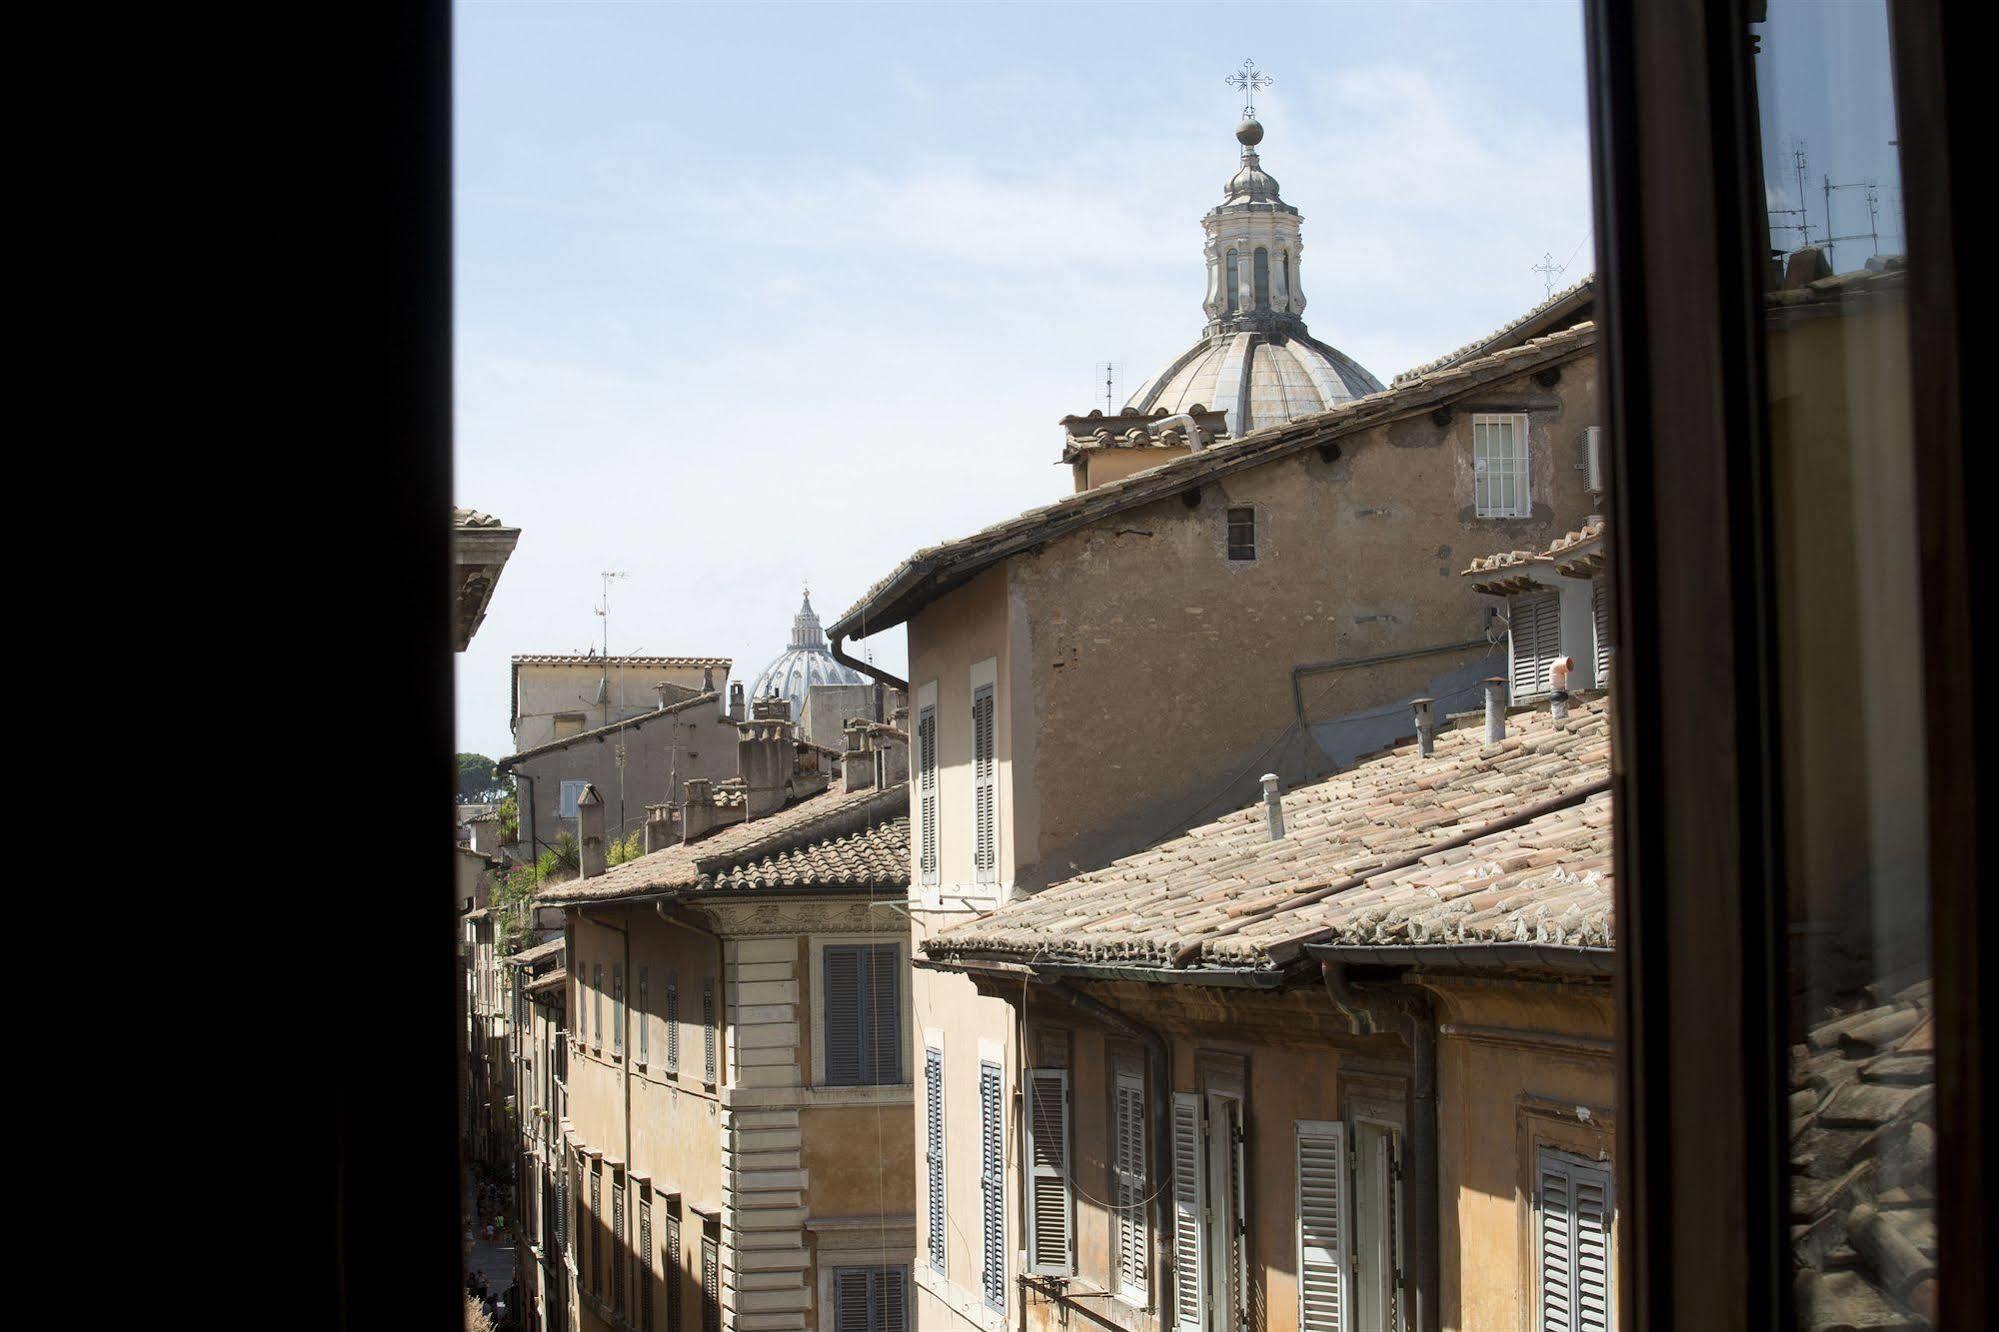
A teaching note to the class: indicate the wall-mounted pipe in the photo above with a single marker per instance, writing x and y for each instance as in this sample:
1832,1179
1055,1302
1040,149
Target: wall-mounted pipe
865,668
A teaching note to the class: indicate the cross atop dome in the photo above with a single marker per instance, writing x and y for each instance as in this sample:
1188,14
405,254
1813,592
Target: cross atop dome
1246,81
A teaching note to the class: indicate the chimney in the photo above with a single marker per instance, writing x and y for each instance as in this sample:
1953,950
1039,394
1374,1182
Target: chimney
1558,702
1495,710
736,701
766,755
659,828
1273,807
590,832
707,679
697,811
1426,726
857,764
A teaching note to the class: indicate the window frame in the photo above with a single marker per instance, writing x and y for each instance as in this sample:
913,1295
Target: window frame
1520,466
823,1017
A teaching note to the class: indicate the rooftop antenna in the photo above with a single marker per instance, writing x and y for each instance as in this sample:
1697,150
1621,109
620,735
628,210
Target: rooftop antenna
603,610
1873,232
1246,81
1109,371
1803,226
1549,271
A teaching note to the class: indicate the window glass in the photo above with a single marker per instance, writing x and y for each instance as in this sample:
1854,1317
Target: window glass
1847,598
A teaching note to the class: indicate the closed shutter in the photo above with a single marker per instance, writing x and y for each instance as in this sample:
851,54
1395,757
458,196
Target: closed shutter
673,1024
1190,1206
596,1228
863,1002
1051,1209
852,1299
1129,1247
708,1051
1534,640
933,1153
985,788
645,1261
645,1014
1324,1295
618,1242
992,1189
711,1286
1599,612
884,977
1238,1218
892,1299
926,768
1572,1205
672,1273
617,1008
845,1029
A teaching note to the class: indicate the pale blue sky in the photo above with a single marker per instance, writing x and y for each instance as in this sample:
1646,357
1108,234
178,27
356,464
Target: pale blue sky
750,295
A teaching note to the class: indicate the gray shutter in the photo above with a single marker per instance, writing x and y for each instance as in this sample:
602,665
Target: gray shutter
1534,640
1593,1221
709,1054
933,1152
891,1300
985,789
926,768
672,1273
992,1161
618,1242
617,1008
711,1286
645,1014
1051,1208
645,1261
673,1024
1324,1295
1190,1205
1238,1218
1573,1210
844,1025
1129,1242
883,1066
851,1299
1599,610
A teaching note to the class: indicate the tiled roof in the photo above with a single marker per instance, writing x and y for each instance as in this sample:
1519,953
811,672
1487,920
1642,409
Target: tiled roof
1227,895
935,570
548,980
1548,313
877,856
1863,1158
640,663
598,733
1576,554
473,518
541,952
707,863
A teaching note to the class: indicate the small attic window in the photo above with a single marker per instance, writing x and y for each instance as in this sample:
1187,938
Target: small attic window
1242,534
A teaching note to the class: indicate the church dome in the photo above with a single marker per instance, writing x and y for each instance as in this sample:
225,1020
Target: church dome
1255,362
807,662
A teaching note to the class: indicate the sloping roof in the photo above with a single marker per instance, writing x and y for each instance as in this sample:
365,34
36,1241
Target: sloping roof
876,856
935,570
469,518
1567,305
598,733
541,952
646,663
1227,895
548,980
708,863
1576,554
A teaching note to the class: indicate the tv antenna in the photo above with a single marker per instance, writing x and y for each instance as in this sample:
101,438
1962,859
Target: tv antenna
1803,226
603,610
1873,201
1107,371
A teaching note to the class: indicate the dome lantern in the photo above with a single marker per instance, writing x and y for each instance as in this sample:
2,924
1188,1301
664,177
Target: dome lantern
807,662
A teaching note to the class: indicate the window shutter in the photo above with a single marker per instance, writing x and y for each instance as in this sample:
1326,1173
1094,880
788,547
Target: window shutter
597,1003
851,1299
673,1024
596,1227
1238,1218
884,1063
1050,1205
1599,612
618,1242
1534,640
985,788
1130,1249
933,1152
708,1052
926,766
617,1008
645,1262
1573,1211
711,1286
1190,1205
672,1273
1324,1294
892,1299
844,1023
992,1275
645,1014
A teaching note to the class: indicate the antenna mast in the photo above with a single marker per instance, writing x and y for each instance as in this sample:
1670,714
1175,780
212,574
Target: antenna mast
1108,370
604,667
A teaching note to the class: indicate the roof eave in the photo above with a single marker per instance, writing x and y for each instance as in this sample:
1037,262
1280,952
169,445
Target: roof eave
1592,962
1255,978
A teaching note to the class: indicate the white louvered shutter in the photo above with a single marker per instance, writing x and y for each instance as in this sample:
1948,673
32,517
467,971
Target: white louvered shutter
985,789
845,1023
1534,640
1129,1241
1325,1295
1599,611
1574,1215
1190,1205
926,769
992,1188
933,1152
1051,1209
1592,1208
1238,1217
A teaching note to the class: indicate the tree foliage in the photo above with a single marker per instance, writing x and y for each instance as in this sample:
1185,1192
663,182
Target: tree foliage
477,784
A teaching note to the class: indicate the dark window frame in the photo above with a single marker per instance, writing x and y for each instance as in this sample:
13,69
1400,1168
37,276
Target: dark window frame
1239,548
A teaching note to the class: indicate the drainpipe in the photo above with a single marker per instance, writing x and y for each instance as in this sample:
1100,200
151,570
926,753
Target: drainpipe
1159,1076
1408,1011
863,667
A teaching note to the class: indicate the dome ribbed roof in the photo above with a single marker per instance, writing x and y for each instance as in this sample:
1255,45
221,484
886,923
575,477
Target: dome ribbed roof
1256,379
805,663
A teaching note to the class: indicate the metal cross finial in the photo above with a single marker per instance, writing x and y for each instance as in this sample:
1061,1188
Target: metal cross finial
1247,80
1548,268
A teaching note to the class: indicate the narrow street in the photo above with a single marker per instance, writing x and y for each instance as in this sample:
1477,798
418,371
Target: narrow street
495,1257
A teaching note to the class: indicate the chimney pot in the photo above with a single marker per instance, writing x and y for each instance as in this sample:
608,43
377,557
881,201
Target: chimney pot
1273,806
736,701
590,832
1495,710
1426,726
1558,701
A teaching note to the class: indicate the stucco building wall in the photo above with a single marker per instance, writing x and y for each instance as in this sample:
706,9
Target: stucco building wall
542,693
699,741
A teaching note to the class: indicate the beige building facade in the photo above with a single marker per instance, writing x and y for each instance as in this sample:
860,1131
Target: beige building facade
557,695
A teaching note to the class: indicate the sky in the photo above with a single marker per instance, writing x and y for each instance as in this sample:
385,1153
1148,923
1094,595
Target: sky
755,296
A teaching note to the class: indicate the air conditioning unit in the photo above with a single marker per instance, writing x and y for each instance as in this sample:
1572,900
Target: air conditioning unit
1593,460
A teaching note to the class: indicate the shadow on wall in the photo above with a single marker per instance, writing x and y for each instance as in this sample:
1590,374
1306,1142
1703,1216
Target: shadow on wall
1345,739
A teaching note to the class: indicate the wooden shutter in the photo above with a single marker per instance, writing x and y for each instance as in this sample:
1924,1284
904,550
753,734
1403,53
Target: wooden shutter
1534,640
852,1298
883,1066
926,769
1190,1206
846,1028
992,1188
1325,1295
645,1014
708,1051
933,1152
673,1024
1572,1208
892,1299
672,1273
1129,1241
1599,613
617,1008
711,1285
1051,1207
985,789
